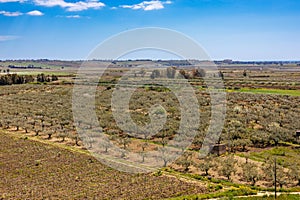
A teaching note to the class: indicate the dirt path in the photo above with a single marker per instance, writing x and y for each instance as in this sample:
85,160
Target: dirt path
262,194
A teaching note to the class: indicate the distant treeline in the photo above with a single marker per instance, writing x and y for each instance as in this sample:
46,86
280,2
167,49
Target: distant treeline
10,79
23,67
172,72
255,62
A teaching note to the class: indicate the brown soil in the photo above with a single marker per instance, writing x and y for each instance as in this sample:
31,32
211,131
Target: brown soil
33,170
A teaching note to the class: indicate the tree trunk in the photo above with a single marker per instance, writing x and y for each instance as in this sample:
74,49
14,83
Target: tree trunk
206,172
253,181
165,163
186,169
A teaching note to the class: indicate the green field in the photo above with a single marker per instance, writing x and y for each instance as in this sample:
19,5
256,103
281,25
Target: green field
268,91
284,155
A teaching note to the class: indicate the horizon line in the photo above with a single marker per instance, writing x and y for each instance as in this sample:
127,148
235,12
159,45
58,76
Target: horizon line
148,59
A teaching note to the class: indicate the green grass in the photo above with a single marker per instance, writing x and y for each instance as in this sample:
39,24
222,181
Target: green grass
284,155
198,177
280,197
268,91
242,191
217,188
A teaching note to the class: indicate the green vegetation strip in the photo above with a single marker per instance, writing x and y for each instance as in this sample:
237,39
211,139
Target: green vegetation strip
280,197
229,193
284,155
268,91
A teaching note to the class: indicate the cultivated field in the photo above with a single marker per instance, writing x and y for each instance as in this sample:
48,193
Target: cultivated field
33,169
41,151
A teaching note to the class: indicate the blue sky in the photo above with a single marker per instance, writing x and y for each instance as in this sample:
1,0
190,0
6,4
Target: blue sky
70,29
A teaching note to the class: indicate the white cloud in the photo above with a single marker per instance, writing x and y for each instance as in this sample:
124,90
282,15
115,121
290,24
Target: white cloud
35,13
51,3
73,16
71,6
8,37
147,5
10,14
16,14
9,1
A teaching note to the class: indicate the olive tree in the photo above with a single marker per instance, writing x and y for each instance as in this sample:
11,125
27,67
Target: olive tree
251,172
228,167
206,164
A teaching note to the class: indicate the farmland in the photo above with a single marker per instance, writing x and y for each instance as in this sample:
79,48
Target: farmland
34,170
38,134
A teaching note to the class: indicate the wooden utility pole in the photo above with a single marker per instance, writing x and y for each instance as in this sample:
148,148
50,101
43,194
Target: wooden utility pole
275,177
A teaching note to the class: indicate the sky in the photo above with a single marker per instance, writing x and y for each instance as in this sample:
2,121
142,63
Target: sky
226,29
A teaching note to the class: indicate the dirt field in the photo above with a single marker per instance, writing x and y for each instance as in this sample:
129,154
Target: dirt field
33,170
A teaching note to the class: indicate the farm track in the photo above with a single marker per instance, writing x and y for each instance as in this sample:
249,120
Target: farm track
262,194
